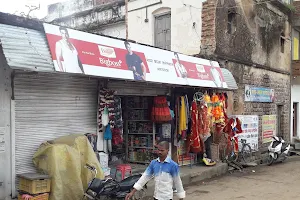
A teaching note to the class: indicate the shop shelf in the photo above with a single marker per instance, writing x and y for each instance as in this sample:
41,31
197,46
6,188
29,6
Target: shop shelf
33,183
140,133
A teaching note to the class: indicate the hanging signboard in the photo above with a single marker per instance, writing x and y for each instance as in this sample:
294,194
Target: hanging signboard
80,52
259,94
268,127
250,130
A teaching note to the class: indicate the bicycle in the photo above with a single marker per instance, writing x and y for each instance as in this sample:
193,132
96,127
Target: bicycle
246,151
232,154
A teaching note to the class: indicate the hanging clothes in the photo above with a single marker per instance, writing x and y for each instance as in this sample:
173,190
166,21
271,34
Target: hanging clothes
195,144
234,126
182,118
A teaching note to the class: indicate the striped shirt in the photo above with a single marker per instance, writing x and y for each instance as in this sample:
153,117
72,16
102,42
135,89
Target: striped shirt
165,174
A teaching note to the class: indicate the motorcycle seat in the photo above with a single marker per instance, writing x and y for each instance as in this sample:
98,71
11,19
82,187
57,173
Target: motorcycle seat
128,183
96,185
284,146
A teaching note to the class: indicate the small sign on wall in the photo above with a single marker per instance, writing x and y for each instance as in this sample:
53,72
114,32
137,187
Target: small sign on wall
259,94
268,127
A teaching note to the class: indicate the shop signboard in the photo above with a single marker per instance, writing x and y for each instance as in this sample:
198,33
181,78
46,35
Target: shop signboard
268,127
80,52
259,94
250,130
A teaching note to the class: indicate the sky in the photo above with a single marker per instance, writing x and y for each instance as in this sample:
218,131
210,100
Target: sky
18,6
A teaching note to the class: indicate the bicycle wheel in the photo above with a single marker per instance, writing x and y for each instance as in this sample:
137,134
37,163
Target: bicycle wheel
246,153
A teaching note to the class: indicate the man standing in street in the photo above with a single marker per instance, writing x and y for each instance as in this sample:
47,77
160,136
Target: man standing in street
165,172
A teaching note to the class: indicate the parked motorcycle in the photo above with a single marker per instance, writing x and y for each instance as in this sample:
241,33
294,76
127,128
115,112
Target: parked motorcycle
110,189
278,150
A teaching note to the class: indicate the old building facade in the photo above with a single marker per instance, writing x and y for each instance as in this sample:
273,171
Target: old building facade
167,24
105,17
252,40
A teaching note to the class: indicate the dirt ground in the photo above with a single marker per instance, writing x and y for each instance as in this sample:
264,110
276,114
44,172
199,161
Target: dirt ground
280,181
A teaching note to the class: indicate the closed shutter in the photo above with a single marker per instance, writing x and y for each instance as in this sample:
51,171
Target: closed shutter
49,106
124,88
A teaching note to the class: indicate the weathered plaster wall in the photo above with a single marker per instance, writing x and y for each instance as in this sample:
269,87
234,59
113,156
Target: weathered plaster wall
185,23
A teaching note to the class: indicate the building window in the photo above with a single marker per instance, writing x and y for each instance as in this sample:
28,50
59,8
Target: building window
282,42
231,22
162,30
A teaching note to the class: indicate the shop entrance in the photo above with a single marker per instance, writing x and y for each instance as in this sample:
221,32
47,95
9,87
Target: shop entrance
280,120
295,119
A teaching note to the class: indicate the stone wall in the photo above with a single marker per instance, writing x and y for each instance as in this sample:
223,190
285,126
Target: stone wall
208,42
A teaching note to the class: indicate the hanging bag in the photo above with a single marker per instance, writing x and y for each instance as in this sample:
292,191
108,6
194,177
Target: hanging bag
105,117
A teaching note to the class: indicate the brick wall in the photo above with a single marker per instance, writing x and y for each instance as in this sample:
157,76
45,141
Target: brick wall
262,78
296,5
208,42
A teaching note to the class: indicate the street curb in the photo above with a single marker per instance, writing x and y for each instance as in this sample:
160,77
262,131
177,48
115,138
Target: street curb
204,173
213,172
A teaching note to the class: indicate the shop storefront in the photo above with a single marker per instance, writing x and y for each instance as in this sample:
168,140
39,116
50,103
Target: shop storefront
123,109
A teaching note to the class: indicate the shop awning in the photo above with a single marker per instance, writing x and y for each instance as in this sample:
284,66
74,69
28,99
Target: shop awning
229,79
25,49
28,49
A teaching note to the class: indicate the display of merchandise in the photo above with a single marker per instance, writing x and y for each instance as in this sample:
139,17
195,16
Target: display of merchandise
117,131
140,127
106,100
141,131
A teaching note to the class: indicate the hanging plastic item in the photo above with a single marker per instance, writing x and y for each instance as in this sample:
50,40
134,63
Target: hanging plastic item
107,133
160,110
108,137
105,117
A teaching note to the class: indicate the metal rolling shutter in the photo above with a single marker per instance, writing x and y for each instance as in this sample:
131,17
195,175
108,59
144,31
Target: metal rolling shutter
49,106
124,88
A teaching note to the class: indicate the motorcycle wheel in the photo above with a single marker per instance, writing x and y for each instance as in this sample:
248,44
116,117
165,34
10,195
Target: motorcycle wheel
139,194
271,160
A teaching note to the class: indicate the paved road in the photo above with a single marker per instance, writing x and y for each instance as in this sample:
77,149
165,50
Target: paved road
280,181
